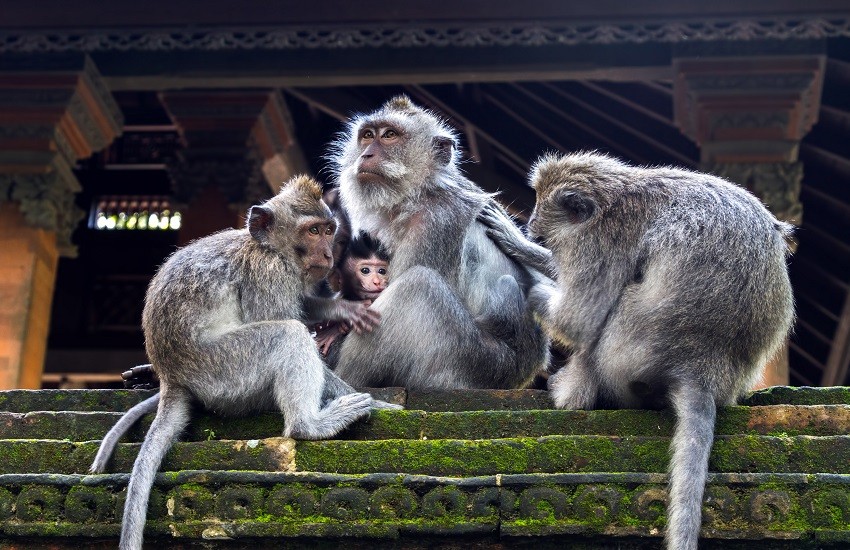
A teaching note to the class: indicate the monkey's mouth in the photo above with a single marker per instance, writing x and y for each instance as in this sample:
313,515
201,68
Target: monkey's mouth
318,271
371,295
369,176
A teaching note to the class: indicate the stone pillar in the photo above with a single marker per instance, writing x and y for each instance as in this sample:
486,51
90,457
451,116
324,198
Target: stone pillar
748,115
238,149
53,111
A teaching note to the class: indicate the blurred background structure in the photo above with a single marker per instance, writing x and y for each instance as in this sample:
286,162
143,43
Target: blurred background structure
127,129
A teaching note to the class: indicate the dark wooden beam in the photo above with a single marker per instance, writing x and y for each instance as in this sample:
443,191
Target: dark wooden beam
178,69
94,13
838,362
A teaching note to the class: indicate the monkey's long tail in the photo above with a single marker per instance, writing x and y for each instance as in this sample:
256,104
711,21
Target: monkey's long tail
110,440
171,418
692,439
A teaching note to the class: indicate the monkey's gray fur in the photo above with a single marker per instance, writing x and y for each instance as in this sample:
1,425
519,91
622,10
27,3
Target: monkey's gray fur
454,314
223,327
672,289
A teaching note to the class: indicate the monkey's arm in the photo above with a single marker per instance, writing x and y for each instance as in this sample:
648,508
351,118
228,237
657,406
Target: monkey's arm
508,237
357,314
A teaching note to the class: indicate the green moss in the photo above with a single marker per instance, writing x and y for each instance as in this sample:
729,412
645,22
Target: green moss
779,395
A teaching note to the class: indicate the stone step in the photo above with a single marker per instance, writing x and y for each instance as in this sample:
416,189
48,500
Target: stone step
415,424
456,400
449,457
766,510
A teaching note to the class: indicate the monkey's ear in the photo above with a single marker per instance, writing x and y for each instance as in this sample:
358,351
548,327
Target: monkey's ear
578,207
260,220
443,149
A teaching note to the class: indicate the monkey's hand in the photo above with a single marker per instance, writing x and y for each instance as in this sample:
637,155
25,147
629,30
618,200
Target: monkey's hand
326,336
359,316
507,236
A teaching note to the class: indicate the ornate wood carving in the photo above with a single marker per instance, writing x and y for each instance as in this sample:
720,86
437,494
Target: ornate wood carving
240,142
54,112
433,35
750,108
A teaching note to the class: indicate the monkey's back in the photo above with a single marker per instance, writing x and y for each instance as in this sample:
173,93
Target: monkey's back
210,287
710,285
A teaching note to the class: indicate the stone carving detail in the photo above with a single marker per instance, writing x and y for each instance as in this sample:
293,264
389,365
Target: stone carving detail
393,502
649,504
571,508
720,504
777,184
830,508
766,507
70,115
543,503
444,501
190,502
345,503
47,202
292,501
88,504
431,36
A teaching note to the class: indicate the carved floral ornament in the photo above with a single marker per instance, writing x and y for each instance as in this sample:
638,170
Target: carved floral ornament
529,34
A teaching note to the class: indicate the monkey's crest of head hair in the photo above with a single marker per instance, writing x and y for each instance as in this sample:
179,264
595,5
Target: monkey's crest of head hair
304,185
402,104
595,174
363,246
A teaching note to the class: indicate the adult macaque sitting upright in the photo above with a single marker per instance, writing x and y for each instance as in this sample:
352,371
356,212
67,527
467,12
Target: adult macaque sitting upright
454,314
360,275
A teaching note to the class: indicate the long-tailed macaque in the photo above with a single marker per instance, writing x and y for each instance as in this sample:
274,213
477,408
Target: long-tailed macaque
455,313
224,327
671,288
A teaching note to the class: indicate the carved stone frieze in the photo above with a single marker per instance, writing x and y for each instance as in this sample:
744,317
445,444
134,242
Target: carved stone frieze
272,504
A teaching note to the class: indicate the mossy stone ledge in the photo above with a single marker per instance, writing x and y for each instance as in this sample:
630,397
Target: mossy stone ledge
476,468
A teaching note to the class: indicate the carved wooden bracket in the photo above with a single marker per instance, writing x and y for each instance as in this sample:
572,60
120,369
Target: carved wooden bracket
747,109
54,112
241,142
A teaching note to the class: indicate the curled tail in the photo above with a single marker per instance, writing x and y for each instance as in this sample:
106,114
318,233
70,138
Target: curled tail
110,440
692,439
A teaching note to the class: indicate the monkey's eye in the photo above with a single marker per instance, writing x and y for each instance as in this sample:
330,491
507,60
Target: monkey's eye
367,134
329,230
382,271
365,270
314,230
390,134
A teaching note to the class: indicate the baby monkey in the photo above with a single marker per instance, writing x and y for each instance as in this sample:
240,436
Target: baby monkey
360,275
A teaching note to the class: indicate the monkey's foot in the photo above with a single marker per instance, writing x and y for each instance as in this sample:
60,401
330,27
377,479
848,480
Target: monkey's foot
378,404
572,390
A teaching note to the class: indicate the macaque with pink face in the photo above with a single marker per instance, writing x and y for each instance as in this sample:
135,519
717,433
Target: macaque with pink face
361,275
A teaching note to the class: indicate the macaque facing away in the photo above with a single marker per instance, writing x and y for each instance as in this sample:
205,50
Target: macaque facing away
360,275
671,286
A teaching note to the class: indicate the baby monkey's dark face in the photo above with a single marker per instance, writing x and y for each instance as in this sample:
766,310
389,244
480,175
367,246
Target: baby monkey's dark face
367,277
